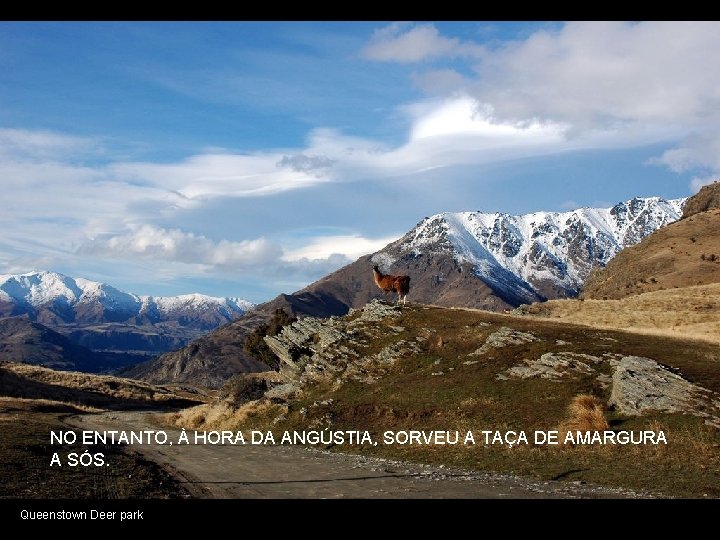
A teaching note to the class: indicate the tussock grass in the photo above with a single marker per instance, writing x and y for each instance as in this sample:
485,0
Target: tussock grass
585,413
223,416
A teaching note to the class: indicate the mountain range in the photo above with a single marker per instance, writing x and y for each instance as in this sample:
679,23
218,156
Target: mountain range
491,261
100,317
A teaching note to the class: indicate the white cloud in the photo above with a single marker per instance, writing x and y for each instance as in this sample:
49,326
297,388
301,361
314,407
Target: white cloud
463,115
402,43
20,143
349,246
439,81
315,165
606,74
607,83
148,241
215,175
695,151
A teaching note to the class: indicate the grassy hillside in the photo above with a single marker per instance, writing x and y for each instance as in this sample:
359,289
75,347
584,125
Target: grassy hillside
428,368
682,254
99,391
689,312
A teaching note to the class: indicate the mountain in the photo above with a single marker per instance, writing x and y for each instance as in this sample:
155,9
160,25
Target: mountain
22,340
683,254
101,317
52,298
491,261
707,198
543,254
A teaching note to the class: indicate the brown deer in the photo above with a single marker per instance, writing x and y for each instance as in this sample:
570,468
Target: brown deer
387,283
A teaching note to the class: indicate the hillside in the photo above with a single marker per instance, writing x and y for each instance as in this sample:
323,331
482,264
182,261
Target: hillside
489,261
682,254
428,368
35,401
706,199
25,341
689,312
70,387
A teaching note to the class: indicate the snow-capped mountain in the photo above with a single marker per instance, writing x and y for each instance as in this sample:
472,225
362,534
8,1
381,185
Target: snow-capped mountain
120,328
491,261
53,298
547,254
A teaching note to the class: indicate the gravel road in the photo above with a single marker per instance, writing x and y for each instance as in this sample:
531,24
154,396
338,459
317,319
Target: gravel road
260,471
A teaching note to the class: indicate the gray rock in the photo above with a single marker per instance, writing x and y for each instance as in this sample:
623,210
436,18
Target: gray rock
502,338
377,310
554,366
641,385
283,392
314,349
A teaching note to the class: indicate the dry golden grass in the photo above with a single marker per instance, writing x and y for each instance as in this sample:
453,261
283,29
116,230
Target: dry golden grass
220,416
35,382
585,413
12,402
688,312
682,254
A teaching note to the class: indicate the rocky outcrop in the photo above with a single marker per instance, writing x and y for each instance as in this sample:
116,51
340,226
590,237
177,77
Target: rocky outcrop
641,385
706,199
554,366
502,338
335,349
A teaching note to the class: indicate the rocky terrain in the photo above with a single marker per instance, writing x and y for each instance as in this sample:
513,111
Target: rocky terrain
313,350
387,367
469,259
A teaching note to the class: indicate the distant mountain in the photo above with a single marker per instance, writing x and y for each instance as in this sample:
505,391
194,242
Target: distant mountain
683,254
491,261
22,340
52,298
101,317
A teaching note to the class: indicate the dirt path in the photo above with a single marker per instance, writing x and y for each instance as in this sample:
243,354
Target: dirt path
247,471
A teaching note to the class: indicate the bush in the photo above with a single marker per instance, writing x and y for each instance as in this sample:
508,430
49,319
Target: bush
255,345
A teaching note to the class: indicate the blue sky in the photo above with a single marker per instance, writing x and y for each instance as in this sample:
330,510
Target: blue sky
249,159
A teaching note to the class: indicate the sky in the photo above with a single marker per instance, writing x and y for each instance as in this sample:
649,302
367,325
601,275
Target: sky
248,159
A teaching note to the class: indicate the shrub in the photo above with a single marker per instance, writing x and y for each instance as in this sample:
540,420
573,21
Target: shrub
255,345
241,389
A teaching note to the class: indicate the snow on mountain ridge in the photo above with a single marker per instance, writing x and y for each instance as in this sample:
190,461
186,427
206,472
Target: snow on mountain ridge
560,248
39,288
